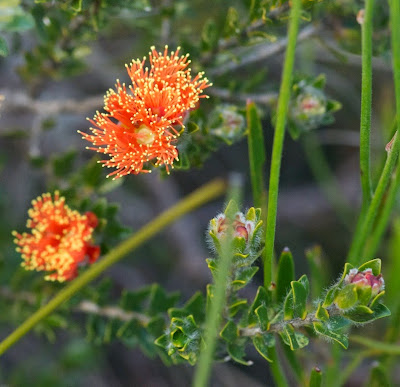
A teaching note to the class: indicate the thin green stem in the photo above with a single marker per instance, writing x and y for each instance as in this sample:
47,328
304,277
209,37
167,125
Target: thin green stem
197,198
360,238
276,368
383,219
283,103
366,101
377,346
214,315
366,227
324,177
345,374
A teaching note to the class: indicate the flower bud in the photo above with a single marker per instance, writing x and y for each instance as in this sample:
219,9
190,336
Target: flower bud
227,123
242,228
365,279
309,108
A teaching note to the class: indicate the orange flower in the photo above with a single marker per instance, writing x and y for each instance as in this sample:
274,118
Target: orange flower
60,240
142,122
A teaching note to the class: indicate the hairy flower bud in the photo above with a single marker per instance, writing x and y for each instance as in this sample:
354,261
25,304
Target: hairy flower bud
365,279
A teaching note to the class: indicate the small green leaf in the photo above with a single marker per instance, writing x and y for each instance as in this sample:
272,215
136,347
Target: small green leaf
347,297
209,35
261,298
285,274
376,299
347,268
160,301
262,343
3,47
375,265
321,313
315,377
363,314
257,157
196,306
322,329
359,314
378,377
330,296
293,339
134,300
244,277
237,306
299,299
263,319
230,332
236,352
364,294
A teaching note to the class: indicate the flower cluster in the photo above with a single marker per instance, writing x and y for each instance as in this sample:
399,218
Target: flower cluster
142,121
60,240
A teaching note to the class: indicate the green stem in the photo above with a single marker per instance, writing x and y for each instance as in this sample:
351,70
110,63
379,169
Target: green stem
323,175
345,374
188,204
377,346
283,103
276,369
214,315
361,237
366,101
383,219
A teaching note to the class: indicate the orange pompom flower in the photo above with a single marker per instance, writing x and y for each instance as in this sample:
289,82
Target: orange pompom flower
60,240
142,122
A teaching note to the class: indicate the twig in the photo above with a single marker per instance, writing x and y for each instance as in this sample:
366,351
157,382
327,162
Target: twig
264,99
112,312
263,51
17,100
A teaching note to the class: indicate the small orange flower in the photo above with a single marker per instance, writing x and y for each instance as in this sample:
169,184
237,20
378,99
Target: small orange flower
60,240
141,125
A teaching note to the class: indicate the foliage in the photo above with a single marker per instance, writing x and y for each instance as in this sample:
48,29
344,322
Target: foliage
287,316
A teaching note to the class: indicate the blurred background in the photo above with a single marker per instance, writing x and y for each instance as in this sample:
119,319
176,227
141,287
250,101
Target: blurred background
59,59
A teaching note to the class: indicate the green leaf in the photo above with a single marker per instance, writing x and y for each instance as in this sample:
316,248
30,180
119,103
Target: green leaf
376,299
134,301
262,343
3,47
196,306
285,274
299,299
244,277
378,377
257,157
347,297
209,35
160,301
347,268
321,313
315,377
293,339
322,329
237,306
363,314
364,294
330,296
237,353
232,22
375,265
263,319
261,298
229,332
19,22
